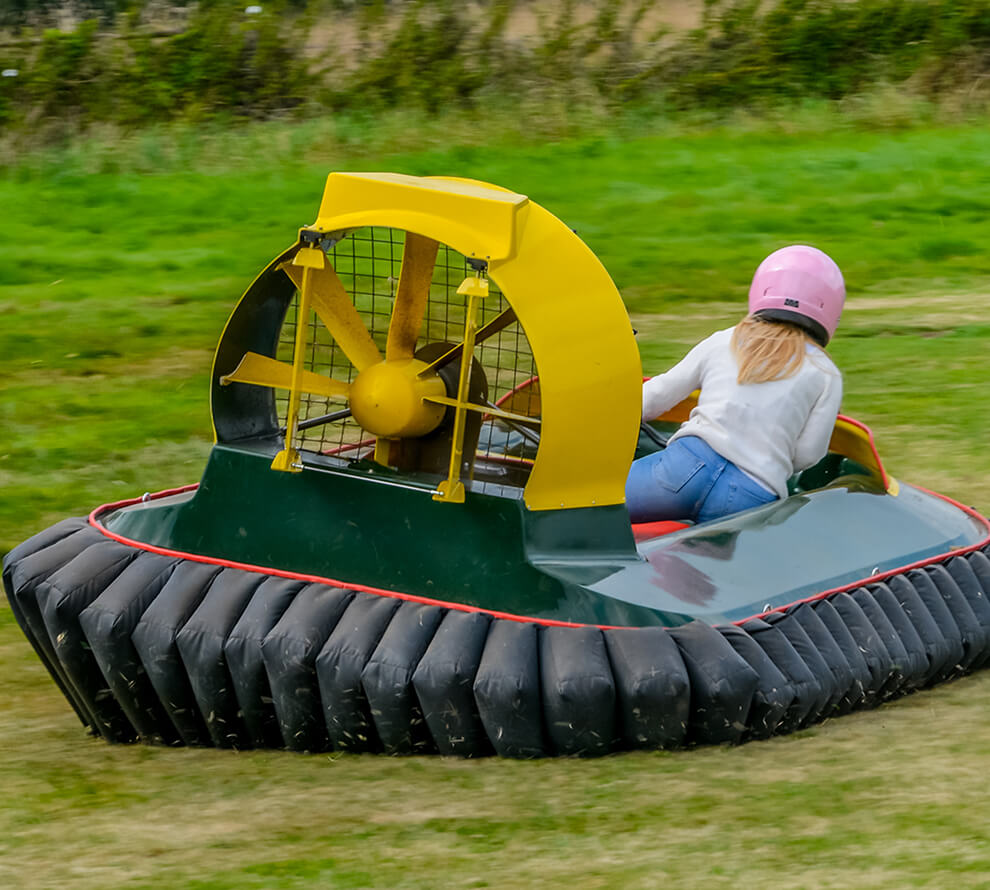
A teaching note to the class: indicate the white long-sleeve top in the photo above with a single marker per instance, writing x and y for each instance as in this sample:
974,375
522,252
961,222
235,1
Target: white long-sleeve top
769,430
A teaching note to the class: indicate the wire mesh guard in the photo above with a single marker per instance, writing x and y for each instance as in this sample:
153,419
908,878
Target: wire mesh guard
368,262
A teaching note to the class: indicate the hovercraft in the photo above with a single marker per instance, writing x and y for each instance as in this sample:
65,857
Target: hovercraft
410,534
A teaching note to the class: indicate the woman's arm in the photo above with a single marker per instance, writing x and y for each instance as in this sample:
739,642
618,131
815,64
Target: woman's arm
812,443
662,392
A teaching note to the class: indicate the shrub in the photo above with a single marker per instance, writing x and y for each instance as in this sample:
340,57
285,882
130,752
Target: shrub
436,54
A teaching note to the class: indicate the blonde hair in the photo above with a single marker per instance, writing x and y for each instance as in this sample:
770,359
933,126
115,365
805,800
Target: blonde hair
768,350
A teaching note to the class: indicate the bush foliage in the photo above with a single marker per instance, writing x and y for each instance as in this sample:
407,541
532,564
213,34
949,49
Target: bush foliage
221,62
828,48
115,66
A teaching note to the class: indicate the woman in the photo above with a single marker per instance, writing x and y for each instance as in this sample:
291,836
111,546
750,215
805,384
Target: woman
768,403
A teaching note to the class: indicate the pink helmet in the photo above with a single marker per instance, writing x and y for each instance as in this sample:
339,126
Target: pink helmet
802,285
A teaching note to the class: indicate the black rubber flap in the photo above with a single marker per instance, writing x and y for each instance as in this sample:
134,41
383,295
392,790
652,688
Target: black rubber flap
652,687
774,694
961,570
387,679
40,541
942,654
860,693
809,653
884,674
809,696
61,599
507,690
338,671
903,674
973,634
444,681
941,614
201,646
290,651
23,571
722,684
578,690
980,564
246,663
915,659
848,690
108,623
154,640
943,651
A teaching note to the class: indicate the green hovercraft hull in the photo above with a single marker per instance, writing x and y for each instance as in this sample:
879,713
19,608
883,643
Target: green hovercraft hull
363,525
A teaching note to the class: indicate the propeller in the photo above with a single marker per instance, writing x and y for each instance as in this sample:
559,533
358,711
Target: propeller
395,395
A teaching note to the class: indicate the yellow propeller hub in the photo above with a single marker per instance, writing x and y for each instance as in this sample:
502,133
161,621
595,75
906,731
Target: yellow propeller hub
389,399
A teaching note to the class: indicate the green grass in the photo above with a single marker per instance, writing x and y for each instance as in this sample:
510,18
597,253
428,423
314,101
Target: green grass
116,275
115,285
884,799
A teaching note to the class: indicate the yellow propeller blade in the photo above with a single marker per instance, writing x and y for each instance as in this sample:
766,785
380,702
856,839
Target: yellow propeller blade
499,323
493,410
418,258
261,370
334,308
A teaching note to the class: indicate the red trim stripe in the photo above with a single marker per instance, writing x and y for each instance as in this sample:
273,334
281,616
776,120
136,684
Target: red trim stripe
94,521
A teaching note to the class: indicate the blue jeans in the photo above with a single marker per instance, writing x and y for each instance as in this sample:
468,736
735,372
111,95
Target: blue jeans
689,480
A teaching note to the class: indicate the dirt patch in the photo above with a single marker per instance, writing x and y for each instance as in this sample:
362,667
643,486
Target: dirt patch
339,35
929,299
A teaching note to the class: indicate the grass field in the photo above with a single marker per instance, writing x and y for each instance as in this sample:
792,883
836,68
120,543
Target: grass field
117,271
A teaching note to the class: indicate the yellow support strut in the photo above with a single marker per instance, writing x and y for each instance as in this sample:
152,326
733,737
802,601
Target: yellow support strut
310,259
451,490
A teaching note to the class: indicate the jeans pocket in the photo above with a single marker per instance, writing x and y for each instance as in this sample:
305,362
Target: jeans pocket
744,494
751,489
676,469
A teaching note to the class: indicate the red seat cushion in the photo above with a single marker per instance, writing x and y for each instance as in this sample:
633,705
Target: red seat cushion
645,530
